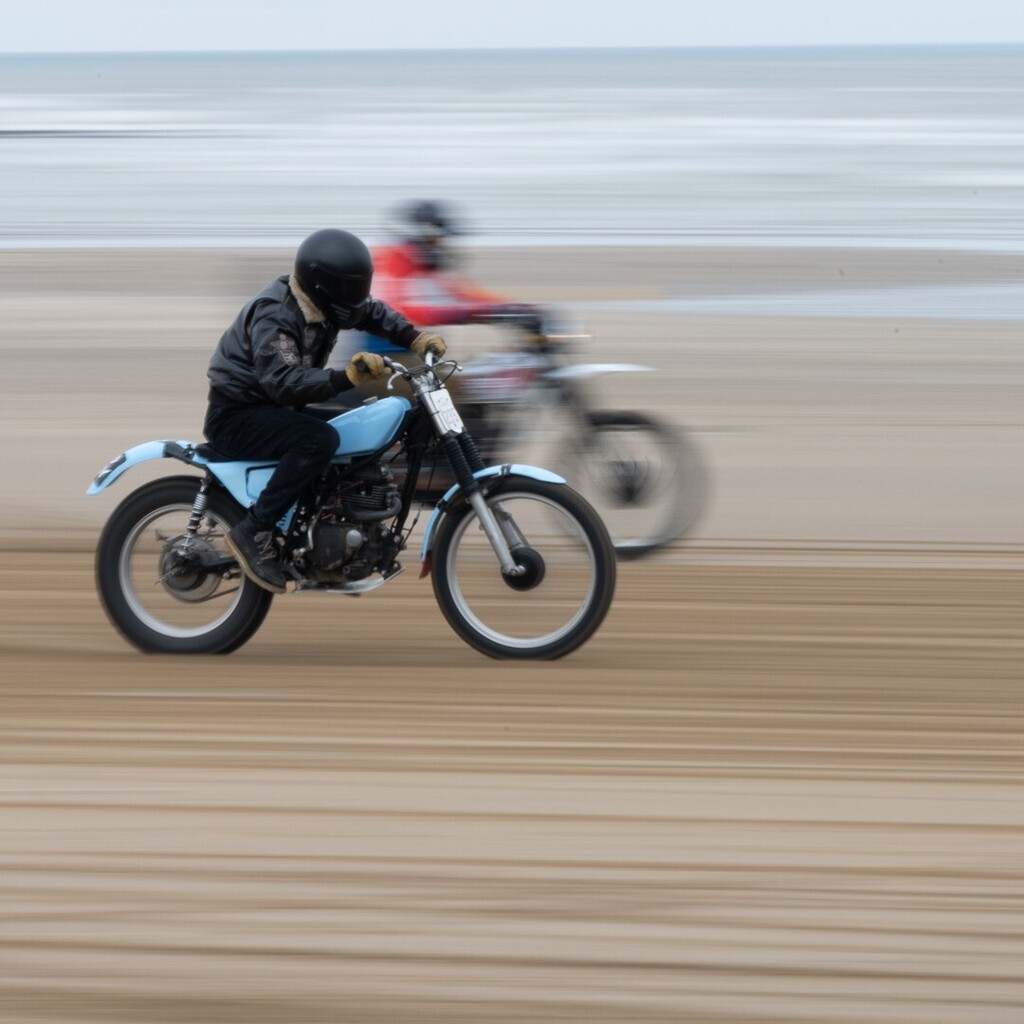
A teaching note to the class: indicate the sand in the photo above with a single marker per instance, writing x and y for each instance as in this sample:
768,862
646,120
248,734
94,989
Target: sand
783,782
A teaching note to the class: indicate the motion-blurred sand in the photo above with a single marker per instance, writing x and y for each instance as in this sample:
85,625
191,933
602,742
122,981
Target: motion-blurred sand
783,782
758,794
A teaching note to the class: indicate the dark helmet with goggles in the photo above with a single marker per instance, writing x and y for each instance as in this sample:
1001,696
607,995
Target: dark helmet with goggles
335,269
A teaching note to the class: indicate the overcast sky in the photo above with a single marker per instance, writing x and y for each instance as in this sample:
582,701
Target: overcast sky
83,25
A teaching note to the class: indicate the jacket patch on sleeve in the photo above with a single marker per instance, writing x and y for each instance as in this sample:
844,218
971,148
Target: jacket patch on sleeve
286,348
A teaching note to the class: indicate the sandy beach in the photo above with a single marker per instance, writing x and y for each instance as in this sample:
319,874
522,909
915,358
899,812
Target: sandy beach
783,782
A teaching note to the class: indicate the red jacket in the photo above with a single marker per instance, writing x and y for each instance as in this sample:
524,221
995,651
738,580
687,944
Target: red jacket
422,295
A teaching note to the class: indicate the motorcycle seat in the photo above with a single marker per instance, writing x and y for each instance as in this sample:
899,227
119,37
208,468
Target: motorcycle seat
208,452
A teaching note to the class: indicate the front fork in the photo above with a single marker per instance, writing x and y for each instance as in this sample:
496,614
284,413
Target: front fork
498,525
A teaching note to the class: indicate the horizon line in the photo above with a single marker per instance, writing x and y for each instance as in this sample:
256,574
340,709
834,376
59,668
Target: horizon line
686,47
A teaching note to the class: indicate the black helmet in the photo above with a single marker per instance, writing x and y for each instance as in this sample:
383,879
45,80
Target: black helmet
427,224
334,268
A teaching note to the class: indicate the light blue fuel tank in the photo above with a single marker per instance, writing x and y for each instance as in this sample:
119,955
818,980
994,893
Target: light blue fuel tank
369,427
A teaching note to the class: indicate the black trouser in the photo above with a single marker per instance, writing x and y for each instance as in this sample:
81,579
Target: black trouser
302,442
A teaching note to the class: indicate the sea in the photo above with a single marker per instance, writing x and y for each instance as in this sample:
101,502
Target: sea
893,146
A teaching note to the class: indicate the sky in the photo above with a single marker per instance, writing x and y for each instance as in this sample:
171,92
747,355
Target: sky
141,25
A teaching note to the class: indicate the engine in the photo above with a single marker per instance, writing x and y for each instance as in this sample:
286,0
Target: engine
349,537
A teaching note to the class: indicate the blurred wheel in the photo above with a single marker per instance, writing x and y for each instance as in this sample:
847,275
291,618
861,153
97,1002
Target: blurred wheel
646,480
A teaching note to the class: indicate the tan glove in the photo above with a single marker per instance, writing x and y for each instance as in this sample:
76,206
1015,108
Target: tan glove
434,342
364,367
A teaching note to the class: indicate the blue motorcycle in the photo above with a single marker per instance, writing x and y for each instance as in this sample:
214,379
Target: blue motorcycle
521,565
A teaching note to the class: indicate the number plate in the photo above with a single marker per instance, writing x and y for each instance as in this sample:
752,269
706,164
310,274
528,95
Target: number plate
440,405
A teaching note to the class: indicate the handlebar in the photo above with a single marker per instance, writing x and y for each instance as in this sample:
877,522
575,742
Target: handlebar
529,319
430,365
539,326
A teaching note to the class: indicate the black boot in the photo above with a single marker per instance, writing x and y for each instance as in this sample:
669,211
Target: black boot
252,543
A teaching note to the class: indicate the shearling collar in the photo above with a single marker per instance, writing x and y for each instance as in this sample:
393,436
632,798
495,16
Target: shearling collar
309,311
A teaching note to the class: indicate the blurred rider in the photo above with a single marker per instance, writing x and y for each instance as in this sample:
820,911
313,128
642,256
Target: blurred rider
269,365
415,274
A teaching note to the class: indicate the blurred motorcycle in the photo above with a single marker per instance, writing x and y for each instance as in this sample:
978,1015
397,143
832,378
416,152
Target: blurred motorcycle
645,477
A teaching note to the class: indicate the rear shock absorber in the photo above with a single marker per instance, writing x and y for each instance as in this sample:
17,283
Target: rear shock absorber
198,511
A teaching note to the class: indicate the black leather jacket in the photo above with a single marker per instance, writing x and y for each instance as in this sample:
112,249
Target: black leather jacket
275,351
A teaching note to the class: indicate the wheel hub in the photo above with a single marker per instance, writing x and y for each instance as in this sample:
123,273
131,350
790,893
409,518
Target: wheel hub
530,560
627,481
182,571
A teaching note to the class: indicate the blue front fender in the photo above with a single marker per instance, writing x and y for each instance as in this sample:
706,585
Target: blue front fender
533,472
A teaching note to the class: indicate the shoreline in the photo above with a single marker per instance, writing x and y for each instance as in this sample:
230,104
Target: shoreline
766,282
712,268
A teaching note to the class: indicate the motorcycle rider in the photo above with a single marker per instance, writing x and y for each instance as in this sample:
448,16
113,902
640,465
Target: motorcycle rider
270,363
415,275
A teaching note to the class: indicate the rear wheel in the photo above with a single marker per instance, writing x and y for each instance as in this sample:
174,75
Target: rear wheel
563,592
166,592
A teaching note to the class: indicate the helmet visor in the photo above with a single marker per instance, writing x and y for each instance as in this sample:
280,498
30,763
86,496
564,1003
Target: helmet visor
343,289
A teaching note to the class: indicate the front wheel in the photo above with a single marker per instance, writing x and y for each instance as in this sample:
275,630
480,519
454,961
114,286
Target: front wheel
565,586
646,479
170,593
